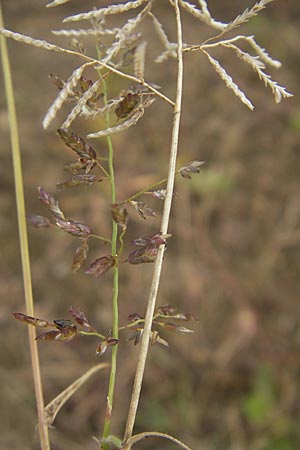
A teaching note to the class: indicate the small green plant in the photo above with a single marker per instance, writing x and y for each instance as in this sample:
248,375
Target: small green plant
120,52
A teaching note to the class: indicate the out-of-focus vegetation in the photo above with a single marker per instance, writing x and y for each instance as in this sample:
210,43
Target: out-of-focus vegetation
233,259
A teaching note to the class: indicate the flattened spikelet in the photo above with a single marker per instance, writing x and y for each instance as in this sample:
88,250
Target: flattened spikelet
113,9
139,60
81,32
159,30
229,81
64,93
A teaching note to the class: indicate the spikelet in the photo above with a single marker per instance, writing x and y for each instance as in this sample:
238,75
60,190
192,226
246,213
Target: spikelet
229,81
81,103
64,93
29,40
113,9
81,32
139,60
159,30
257,65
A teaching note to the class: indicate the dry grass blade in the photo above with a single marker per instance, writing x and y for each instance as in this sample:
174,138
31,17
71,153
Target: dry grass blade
52,409
229,81
113,9
65,92
139,437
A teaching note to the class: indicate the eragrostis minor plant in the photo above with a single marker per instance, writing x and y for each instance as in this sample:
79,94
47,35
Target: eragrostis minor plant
120,52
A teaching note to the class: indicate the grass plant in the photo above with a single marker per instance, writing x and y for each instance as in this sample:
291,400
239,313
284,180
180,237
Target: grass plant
121,52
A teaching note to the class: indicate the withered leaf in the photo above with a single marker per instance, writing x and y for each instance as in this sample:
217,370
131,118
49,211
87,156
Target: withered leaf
143,210
101,265
38,221
74,228
119,214
51,203
192,167
76,180
32,320
80,256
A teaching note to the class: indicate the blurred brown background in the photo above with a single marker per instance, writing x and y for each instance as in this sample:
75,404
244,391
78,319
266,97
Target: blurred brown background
233,260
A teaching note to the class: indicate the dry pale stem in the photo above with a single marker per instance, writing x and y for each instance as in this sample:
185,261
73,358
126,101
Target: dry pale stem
164,228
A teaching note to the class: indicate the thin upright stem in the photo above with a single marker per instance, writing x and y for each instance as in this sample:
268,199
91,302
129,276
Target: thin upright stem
17,167
164,228
115,326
